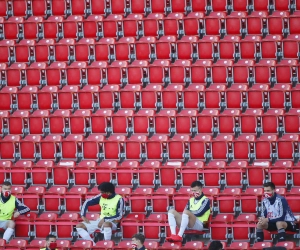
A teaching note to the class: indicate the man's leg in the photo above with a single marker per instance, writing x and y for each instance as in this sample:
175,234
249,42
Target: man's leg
107,230
188,220
281,226
174,219
260,231
10,226
83,232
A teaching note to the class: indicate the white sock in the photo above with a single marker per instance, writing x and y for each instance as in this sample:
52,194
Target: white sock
8,233
184,223
107,233
172,223
84,234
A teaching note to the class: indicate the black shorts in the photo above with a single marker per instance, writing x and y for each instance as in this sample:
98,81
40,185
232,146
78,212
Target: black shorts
291,226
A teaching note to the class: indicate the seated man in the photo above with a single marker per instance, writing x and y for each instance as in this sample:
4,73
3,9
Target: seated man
275,214
196,213
50,243
138,242
8,204
112,207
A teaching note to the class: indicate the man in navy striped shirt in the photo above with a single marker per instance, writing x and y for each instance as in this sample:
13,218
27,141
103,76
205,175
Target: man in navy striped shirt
275,214
112,210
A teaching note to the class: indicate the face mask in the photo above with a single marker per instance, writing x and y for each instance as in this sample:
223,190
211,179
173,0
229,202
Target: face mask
134,245
6,193
268,194
105,196
196,194
52,245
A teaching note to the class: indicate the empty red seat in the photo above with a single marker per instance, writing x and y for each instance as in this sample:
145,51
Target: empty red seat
76,73
50,147
236,21
13,26
124,49
165,121
256,21
117,73
179,72
29,146
101,122
68,97
261,245
222,72
6,50
16,74
293,20
96,74
172,97
153,25
290,46
166,48
173,24
56,74
193,23
229,47
219,227
71,147
53,26
112,25
213,23
265,71
18,122
8,97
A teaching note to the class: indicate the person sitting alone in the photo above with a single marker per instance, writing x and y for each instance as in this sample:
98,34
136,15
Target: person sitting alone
275,215
112,210
195,214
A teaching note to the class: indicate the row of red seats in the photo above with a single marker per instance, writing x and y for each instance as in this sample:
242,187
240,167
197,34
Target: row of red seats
159,73
158,147
222,227
144,200
124,7
217,173
167,47
152,98
167,122
115,26
126,244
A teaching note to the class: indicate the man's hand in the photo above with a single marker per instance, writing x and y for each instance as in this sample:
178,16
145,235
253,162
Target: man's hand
262,220
16,214
100,223
85,220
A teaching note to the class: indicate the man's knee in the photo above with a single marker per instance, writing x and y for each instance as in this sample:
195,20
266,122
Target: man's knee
281,224
81,225
172,211
187,212
107,224
260,226
11,224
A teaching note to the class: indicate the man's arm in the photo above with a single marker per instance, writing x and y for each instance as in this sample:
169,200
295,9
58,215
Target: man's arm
282,211
263,212
22,208
119,214
203,209
90,202
187,207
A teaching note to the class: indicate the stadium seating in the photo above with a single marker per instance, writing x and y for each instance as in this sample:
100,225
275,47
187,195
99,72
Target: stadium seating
149,95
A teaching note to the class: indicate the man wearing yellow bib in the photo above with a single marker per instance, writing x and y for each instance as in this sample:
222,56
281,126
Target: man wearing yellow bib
112,210
50,243
196,213
8,204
